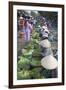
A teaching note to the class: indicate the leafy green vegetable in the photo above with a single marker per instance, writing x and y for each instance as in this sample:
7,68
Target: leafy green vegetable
24,74
36,52
36,61
24,63
26,52
29,45
35,35
35,73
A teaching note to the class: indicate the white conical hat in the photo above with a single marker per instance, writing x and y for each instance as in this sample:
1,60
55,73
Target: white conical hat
45,43
49,62
21,17
44,27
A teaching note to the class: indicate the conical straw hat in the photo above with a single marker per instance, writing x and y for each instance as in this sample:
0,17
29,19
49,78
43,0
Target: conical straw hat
49,62
44,27
45,43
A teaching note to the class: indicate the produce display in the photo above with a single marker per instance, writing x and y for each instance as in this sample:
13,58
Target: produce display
34,57
29,63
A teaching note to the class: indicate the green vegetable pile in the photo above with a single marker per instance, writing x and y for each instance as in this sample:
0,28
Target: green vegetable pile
29,63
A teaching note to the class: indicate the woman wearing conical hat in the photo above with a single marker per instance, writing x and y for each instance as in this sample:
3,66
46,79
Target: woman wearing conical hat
48,61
